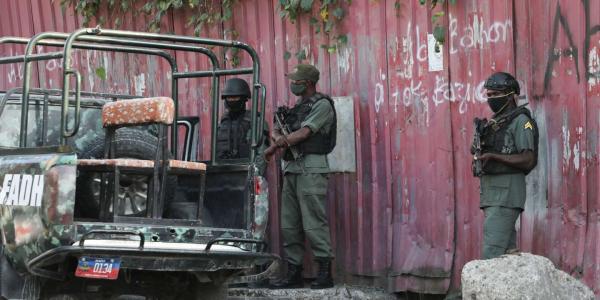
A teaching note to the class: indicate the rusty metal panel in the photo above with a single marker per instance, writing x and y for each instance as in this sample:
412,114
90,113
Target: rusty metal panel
480,42
16,21
48,16
360,71
557,83
423,179
591,47
562,85
410,214
195,93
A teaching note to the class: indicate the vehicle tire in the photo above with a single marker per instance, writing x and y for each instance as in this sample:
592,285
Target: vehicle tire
130,143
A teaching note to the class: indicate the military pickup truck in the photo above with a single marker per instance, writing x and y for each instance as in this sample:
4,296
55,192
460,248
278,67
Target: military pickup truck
101,200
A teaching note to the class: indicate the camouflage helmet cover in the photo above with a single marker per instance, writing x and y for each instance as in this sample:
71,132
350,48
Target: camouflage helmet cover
304,72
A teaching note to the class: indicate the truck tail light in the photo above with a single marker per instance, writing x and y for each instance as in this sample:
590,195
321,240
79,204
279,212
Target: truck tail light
261,207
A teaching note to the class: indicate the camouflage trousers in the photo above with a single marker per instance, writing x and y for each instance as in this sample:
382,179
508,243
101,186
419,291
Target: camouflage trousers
303,214
499,234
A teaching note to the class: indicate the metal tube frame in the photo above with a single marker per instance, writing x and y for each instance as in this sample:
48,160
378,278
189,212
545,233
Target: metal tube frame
33,57
161,53
27,77
97,35
183,39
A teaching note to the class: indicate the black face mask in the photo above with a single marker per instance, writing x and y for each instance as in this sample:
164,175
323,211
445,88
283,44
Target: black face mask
235,106
497,104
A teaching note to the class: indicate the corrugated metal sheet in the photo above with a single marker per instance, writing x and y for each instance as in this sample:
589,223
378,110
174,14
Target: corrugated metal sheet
15,21
562,89
480,42
409,217
423,157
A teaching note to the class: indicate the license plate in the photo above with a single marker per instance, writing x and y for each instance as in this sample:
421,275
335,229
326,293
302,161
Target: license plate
97,267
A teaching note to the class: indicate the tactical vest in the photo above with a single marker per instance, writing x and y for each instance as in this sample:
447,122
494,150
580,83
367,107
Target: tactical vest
318,142
493,140
231,136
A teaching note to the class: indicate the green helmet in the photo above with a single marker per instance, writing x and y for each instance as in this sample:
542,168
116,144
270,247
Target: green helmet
236,87
502,81
304,72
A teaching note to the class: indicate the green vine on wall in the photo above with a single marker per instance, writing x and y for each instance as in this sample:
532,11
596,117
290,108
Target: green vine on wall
330,14
439,30
326,21
205,12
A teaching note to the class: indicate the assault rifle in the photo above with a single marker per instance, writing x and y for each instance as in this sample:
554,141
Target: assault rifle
280,117
479,125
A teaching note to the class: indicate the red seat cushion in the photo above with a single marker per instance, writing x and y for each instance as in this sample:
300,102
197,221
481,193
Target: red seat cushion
117,162
187,165
138,111
140,163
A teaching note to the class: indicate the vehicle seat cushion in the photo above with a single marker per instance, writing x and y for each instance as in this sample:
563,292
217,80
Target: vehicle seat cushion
117,162
138,112
140,163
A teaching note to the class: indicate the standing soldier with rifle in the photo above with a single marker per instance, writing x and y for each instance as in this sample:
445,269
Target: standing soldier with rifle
307,133
505,150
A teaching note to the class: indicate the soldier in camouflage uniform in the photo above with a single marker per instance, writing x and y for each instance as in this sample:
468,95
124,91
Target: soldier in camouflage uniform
509,144
312,124
234,132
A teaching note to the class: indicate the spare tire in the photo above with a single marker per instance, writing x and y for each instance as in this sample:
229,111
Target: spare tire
134,189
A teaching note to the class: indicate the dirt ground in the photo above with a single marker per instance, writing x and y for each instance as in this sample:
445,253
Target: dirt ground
337,292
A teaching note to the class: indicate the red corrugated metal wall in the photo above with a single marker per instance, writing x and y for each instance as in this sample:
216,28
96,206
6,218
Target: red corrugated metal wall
408,218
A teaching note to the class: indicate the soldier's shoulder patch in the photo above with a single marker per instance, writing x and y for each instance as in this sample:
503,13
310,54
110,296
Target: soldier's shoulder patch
528,125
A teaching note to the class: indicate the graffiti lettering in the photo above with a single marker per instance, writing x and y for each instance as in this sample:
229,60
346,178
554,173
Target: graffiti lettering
140,84
411,91
457,92
407,55
15,71
54,64
590,56
443,92
477,34
396,96
421,48
414,95
379,96
554,54
593,67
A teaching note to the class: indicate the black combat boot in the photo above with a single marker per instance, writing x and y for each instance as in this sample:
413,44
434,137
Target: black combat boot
292,280
324,279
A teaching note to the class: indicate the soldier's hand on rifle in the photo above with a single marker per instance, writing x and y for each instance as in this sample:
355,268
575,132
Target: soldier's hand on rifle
281,141
474,146
483,157
269,152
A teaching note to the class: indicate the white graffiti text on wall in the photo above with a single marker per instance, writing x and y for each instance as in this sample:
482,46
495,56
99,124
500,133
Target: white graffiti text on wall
443,92
477,34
